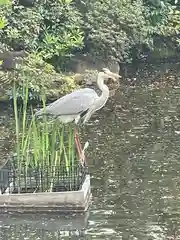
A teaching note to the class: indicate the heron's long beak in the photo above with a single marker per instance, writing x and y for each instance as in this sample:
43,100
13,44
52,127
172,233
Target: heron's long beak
114,76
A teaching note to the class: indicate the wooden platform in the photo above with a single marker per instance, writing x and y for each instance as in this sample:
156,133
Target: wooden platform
70,201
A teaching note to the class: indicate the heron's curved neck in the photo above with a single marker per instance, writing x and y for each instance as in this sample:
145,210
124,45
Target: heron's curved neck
100,101
101,85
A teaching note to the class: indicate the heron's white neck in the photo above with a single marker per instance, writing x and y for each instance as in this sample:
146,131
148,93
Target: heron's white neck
100,101
103,87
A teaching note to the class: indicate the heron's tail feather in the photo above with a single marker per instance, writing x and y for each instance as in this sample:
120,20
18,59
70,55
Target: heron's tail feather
39,113
42,112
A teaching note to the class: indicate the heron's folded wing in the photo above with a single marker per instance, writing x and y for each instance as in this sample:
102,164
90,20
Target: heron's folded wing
73,103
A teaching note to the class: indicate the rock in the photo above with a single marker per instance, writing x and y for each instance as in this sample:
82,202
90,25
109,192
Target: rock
86,68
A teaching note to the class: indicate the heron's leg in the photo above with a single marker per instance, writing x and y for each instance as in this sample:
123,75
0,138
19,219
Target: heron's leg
79,147
77,138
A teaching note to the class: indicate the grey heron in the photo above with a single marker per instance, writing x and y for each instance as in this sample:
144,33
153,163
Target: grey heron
80,104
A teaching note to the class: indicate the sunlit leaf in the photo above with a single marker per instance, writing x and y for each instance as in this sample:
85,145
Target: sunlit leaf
67,1
2,23
3,2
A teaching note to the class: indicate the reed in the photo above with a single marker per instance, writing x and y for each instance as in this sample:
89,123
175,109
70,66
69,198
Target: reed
42,143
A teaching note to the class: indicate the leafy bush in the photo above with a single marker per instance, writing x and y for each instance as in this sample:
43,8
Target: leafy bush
173,26
50,31
54,30
61,31
51,28
4,4
165,21
40,76
113,29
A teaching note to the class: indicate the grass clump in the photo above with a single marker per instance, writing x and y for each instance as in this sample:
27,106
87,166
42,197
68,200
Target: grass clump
42,144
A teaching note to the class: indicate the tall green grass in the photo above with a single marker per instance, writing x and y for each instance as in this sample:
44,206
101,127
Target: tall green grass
41,143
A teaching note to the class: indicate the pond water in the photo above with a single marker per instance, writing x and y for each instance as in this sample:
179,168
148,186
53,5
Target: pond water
134,161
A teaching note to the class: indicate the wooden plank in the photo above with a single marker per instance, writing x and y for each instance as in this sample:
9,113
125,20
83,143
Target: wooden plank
42,198
47,201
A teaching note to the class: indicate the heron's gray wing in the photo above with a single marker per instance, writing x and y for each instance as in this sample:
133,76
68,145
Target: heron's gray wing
73,103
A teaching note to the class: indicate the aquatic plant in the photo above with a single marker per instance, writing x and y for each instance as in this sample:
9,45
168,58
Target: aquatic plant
41,143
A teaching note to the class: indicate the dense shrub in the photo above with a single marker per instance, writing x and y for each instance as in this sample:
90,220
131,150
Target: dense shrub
52,31
164,18
114,29
50,27
49,30
4,5
41,77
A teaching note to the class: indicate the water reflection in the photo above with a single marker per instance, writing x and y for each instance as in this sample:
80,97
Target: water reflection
44,226
134,162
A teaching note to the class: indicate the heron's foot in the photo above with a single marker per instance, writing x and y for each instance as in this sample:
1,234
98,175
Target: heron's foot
83,157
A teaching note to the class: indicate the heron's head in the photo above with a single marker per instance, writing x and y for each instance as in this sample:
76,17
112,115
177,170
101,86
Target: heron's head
109,74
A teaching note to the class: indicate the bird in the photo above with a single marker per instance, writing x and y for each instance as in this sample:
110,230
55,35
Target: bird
80,104
9,59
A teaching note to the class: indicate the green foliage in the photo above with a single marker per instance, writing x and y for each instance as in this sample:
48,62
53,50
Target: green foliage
23,32
50,31
61,31
157,16
113,28
4,2
40,76
3,5
54,30
165,21
172,29
51,28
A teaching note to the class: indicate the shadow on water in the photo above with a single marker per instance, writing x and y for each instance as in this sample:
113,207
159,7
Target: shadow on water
134,162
